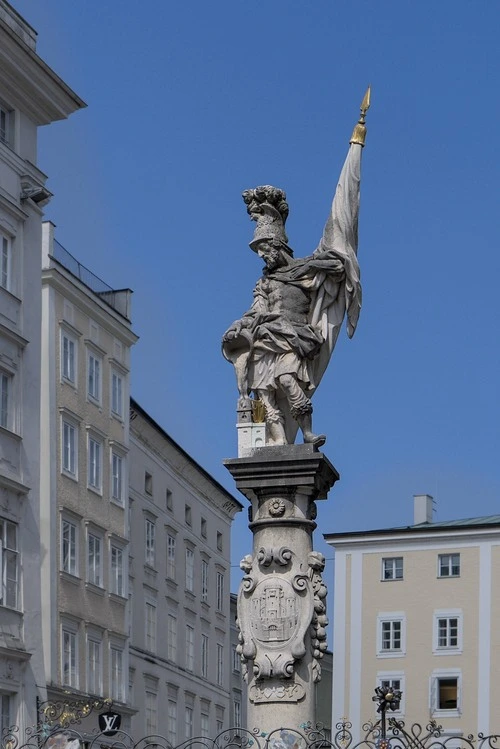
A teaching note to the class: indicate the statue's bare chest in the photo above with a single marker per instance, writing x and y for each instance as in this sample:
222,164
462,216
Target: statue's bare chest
283,296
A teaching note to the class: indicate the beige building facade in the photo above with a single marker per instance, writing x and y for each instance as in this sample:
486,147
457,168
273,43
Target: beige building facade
180,645
416,608
84,459
31,95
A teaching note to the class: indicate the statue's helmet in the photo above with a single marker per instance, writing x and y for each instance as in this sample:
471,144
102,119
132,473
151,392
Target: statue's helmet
267,206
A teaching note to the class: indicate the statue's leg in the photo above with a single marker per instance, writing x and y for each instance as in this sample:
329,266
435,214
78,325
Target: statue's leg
274,418
300,408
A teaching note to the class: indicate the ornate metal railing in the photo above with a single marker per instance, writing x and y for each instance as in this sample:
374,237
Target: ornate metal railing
398,736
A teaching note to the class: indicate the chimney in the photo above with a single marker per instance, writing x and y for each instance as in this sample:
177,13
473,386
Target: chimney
423,506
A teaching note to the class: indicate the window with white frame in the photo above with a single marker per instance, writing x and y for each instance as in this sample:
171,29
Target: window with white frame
94,373
236,660
171,556
393,680
220,591
94,473
69,448
189,648
5,399
392,568
116,477
9,564
204,656
68,357
220,664
172,638
5,261
391,634
204,580
117,581
116,394
189,569
69,547
69,656
6,125
188,515
6,713
188,722
237,712
116,673
449,565
169,500
445,692
172,722
94,559
150,611
151,713
219,541
447,631
94,666
204,725
150,533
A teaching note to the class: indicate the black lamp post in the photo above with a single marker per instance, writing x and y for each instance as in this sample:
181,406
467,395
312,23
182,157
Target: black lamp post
388,699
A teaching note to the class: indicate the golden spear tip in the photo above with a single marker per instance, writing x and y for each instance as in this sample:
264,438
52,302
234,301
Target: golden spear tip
359,133
365,104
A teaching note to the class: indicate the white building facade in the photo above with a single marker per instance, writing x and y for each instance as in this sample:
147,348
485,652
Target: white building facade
84,459
180,646
31,95
416,608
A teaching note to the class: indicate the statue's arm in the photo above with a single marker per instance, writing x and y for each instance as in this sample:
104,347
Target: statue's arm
250,318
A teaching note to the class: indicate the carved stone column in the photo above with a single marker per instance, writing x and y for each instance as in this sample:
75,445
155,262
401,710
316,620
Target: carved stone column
282,597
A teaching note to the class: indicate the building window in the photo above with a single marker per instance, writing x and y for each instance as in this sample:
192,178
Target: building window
116,676
94,377
203,528
189,569
172,722
392,568
94,477
150,542
69,547
117,581
69,653
6,125
172,638
237,713
94,560
220,664
204,656
117,477
447,631
151,713
117,394
189,648
6,717
449,565
150,627
391,634
69,448
236,660
219,726
219,541
171,557
188,515
204,580
9,564
393,680
220,591
94,667
204,725
169,500
5,262
68,358
148,484
445,692
188,722
5,386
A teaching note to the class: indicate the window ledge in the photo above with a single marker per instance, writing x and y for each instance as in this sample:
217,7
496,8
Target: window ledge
69,475
447,651
456,713
118,598
117,503
392,654
70,577
392,579
14,435
95,490
95,588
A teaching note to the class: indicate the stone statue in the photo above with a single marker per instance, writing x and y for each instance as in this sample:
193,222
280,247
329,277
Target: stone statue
281,347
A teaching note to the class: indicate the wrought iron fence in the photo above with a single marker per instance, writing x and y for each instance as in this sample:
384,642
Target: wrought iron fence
307,736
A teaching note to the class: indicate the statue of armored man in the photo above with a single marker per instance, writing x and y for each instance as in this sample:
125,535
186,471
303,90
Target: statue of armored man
281,347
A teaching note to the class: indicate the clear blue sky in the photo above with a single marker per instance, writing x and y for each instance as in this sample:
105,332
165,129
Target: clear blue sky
192,102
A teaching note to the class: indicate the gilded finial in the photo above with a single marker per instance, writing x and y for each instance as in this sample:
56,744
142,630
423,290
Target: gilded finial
359,132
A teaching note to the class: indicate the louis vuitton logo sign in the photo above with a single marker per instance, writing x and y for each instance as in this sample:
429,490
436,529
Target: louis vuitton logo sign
109,723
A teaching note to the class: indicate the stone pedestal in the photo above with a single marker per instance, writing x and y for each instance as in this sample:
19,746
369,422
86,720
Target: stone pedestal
282,597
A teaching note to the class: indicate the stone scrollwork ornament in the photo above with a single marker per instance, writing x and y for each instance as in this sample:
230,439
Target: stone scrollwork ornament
319,622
